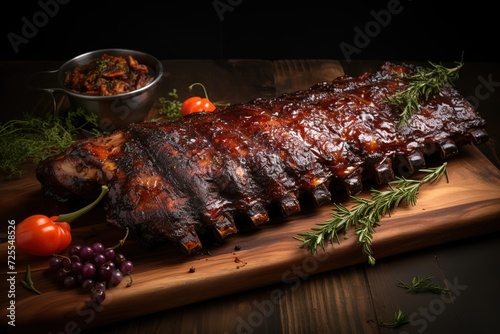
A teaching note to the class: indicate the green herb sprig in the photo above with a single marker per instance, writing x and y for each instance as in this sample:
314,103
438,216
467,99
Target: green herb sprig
421,85
170,109
425,284
365,215
34,138
400,318
28,282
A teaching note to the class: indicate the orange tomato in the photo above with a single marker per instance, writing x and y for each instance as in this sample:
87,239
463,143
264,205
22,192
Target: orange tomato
196,104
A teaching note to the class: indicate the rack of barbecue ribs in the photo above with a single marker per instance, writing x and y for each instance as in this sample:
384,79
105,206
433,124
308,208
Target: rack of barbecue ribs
174,180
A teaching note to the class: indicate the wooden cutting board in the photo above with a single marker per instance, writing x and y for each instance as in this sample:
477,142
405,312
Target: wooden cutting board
467,206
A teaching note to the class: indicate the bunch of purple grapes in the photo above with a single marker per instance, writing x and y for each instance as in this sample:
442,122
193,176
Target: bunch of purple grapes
93,267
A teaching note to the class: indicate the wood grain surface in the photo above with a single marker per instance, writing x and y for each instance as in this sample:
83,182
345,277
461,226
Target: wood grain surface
466,206
452,234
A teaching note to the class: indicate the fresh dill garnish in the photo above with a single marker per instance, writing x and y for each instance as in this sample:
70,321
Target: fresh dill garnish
34,138
425,284
365,214
421,85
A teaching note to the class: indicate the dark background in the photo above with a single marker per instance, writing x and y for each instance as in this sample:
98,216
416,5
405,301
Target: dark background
421,31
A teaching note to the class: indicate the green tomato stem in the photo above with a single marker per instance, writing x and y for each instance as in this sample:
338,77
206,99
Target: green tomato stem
199,84
69,217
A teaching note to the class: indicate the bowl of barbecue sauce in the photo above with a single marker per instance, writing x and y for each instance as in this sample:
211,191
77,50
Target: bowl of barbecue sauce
118,85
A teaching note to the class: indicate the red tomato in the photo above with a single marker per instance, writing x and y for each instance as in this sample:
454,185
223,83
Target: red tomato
196,104
42,236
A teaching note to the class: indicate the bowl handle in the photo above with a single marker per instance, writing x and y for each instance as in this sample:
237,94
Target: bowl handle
49,90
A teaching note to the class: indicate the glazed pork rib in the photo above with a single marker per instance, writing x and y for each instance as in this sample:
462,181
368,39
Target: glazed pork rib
172,181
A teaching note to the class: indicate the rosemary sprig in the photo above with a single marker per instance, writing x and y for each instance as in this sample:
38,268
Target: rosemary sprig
421,85
425,284
400,318
365,215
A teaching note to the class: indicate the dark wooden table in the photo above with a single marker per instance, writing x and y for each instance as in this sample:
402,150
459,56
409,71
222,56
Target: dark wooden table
350,299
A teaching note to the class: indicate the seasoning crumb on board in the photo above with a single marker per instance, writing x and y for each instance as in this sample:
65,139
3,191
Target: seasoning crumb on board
241,263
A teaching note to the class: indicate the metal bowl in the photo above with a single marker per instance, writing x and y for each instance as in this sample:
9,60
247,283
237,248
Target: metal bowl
114,111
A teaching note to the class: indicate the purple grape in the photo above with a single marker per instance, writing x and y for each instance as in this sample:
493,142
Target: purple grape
110,254
86,253
74,258
76,267
88,270
116,277
100,285
126,267
65,263
88,284
55,263
69,281
119,259
99,259
97,247
74,250
105,271
97,296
